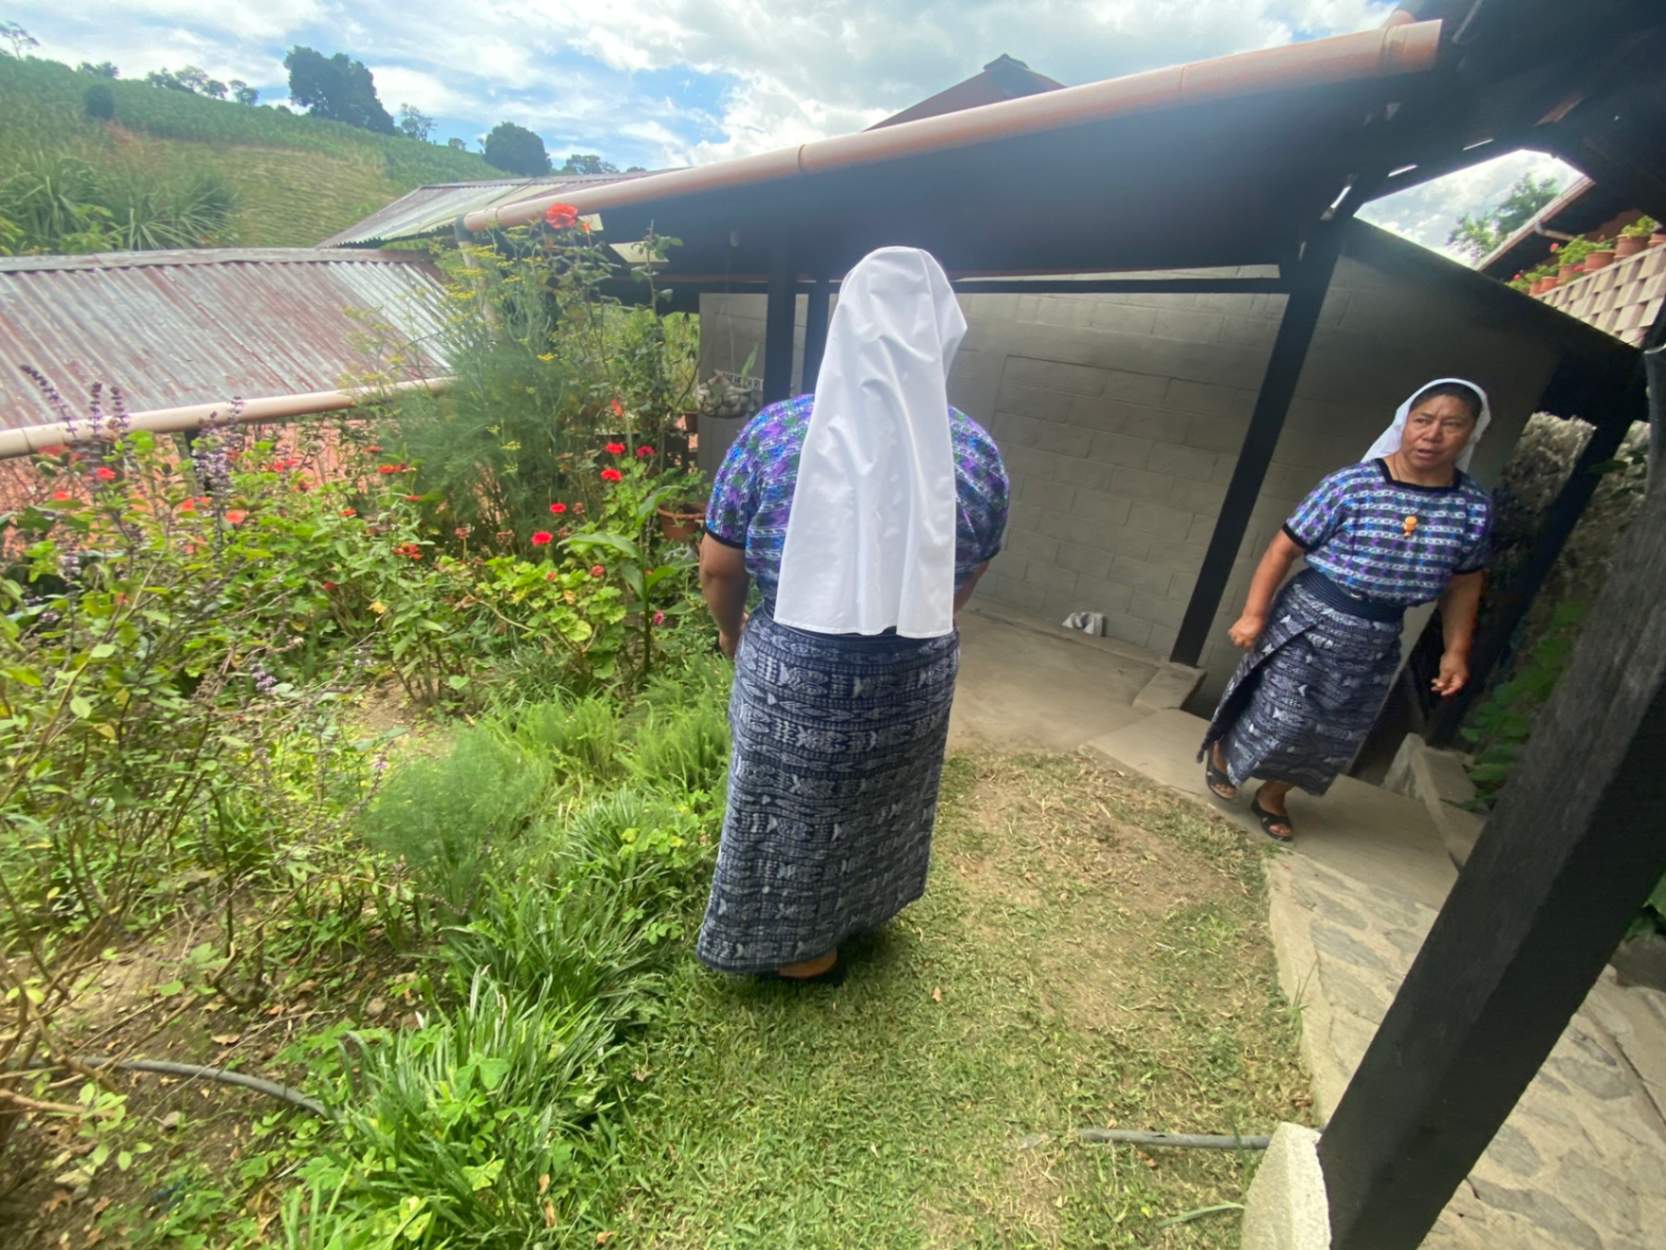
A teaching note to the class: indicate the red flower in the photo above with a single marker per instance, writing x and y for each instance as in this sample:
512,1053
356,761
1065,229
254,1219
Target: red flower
349,512
598,570
542,538
615,449
104,473
612,475
551,576
190,505
561,216
51,451
659,618
329,585
409,550
236,516
618,410
63,496
558,508
1556,247
388,470
644,452
374,449
413,498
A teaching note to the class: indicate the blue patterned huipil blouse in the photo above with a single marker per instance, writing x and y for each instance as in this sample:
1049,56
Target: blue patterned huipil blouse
1392,541
753,494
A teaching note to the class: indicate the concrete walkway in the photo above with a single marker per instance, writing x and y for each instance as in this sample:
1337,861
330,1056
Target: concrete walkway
1581,1163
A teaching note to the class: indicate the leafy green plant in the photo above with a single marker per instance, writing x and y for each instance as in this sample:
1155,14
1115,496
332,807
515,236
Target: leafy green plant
1641,228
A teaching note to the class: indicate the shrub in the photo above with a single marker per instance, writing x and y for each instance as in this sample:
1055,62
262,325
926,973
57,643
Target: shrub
99,103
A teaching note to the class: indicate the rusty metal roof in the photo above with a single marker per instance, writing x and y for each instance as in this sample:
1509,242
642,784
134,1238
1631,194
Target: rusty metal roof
432,209
197,326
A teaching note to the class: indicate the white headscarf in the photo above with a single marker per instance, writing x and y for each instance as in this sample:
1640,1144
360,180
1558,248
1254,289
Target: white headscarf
1388,442
871,537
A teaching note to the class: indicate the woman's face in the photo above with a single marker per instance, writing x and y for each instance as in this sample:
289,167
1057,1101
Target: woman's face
1437,431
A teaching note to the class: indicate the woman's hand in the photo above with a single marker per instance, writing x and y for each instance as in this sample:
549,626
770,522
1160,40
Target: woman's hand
1246,629
1454,674
729,643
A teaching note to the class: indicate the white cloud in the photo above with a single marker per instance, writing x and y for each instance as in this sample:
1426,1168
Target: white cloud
1427,214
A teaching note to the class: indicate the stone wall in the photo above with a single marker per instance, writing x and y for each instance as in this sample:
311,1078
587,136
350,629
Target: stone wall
1121,416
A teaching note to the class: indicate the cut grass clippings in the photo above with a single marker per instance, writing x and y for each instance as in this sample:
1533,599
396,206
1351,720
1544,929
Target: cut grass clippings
1091,952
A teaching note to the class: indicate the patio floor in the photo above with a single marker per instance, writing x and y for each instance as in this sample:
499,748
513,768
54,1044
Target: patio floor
1580,1163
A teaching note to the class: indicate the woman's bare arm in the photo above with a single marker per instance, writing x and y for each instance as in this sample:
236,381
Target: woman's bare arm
1460,603
1275,564
724,582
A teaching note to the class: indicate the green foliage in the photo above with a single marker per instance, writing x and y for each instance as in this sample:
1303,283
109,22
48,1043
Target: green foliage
1477,235
414,123
298,178
584,163
1641,228
1500,726
99,103
336,88
516,150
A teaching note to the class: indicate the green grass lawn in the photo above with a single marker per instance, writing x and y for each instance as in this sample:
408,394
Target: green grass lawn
1089,953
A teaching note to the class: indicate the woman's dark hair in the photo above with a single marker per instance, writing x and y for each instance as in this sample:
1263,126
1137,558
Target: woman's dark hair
1456,390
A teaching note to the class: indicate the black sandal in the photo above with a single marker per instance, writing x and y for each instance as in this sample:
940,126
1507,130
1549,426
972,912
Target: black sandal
1213,777
1269,819
833,976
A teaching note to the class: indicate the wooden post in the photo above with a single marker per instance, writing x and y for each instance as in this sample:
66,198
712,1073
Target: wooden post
1573,848
1284,367
815,330
778,325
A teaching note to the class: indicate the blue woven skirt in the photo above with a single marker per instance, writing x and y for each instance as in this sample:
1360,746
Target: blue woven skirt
833,779
1304,698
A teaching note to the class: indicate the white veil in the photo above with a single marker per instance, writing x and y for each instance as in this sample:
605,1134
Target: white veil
870,540
1388,442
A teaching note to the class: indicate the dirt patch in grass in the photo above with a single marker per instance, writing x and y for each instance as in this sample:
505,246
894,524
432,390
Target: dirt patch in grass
1091,952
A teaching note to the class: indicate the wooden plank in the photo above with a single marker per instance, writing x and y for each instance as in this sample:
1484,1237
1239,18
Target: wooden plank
1284,367
1575,844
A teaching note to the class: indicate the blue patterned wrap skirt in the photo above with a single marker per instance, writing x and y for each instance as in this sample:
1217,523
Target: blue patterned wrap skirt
833,779
1303,699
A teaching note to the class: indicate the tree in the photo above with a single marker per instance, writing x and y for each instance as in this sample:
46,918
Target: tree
20,39
456,144
414,123
190,79
104,69
336,87
99,103
243,93
517,150
1477,236
587,164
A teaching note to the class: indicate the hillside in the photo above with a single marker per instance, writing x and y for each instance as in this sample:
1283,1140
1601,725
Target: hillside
297,179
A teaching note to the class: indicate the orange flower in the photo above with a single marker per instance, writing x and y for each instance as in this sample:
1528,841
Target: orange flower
561,216
190,505
236,516
349,512
618,408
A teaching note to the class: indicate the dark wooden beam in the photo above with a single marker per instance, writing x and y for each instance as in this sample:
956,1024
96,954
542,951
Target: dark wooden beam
1309,280
778,325
1121,286
1572,849
815,330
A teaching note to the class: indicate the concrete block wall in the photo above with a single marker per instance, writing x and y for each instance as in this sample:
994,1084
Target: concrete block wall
1121,416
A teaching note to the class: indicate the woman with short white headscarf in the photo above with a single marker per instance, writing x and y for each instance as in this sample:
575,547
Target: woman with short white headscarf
1404,526
866,514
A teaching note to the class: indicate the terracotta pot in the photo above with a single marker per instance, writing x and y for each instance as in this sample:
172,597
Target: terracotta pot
1567,273
1629,245
1600,259
679,527
1657,238
1541,285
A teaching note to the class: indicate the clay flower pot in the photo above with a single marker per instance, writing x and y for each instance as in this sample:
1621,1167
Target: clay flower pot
1547,283
1629,245
1599,259
1567,273
1657,238
678,525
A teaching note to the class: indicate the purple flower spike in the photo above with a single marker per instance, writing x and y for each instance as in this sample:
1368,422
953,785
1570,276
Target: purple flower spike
120,420
95,409
54,400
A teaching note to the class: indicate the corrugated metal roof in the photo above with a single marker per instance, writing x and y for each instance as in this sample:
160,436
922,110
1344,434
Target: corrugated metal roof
176,328
432,209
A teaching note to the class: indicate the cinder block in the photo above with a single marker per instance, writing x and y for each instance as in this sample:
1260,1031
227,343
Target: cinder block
1134,388
1145,578
1062,525
1220,433
1101,508
1032,546
1157,518
1188,324
1033,401
1127,628
1119,449
1192,463
1090,563
1208,398
1055,375
1034,491
1202,497
1142,484
1158,609
1105,314
1050,577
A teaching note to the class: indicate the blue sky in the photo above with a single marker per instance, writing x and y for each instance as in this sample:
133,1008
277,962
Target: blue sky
670,82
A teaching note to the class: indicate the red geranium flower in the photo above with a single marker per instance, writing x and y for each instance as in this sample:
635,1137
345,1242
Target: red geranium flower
561,216
618,408
615,449
63,496
329,585
598,570
104,473
542,538
190,505
550,576
409,550
413,498
659,618
374,449
644,451
51,451
558,508
349,512
388,470
612,475
236,516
